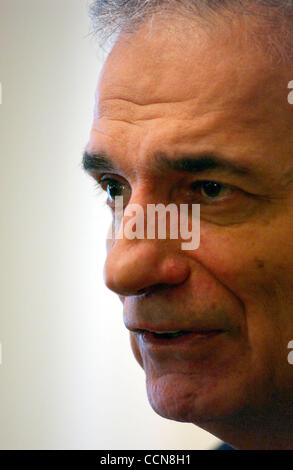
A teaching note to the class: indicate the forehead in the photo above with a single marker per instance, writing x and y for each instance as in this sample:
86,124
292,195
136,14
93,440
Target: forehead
180,60
181,81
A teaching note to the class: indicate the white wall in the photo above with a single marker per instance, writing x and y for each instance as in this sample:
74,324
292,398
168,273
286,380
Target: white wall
67,379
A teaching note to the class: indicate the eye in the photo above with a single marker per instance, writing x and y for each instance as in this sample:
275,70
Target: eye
211,190
114,188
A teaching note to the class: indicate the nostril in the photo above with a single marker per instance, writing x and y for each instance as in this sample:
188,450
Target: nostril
151,289
141,291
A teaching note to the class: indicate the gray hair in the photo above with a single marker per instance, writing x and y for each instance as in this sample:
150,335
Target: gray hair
112,17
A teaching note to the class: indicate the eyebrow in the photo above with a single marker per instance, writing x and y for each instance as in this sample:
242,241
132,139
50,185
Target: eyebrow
97,161
199,163
186,163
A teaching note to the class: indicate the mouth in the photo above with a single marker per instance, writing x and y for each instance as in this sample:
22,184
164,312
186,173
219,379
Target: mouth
166,334
165,337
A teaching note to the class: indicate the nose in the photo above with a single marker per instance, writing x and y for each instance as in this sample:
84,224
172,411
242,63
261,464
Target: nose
136,266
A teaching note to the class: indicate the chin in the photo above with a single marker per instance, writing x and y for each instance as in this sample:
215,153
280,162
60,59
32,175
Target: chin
207,388
188,399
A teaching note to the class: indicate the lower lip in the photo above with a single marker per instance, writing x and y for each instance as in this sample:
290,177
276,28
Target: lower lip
187,338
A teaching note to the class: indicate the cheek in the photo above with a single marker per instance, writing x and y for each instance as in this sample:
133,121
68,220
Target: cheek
241,266
236,259
257,267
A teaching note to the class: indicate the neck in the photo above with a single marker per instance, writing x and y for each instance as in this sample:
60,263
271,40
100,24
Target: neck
254,432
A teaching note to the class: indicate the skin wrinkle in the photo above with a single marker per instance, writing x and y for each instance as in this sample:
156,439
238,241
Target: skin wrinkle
129,101
288,177
260,120
241,275
124,121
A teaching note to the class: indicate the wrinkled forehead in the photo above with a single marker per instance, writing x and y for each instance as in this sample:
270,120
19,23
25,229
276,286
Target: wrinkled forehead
162,63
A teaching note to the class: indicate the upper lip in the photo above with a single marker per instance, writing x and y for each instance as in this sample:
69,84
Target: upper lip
200,325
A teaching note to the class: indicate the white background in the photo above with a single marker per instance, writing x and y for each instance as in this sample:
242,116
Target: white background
67,379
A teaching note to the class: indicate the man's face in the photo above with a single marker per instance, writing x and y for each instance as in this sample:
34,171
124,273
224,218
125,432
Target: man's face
182,94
